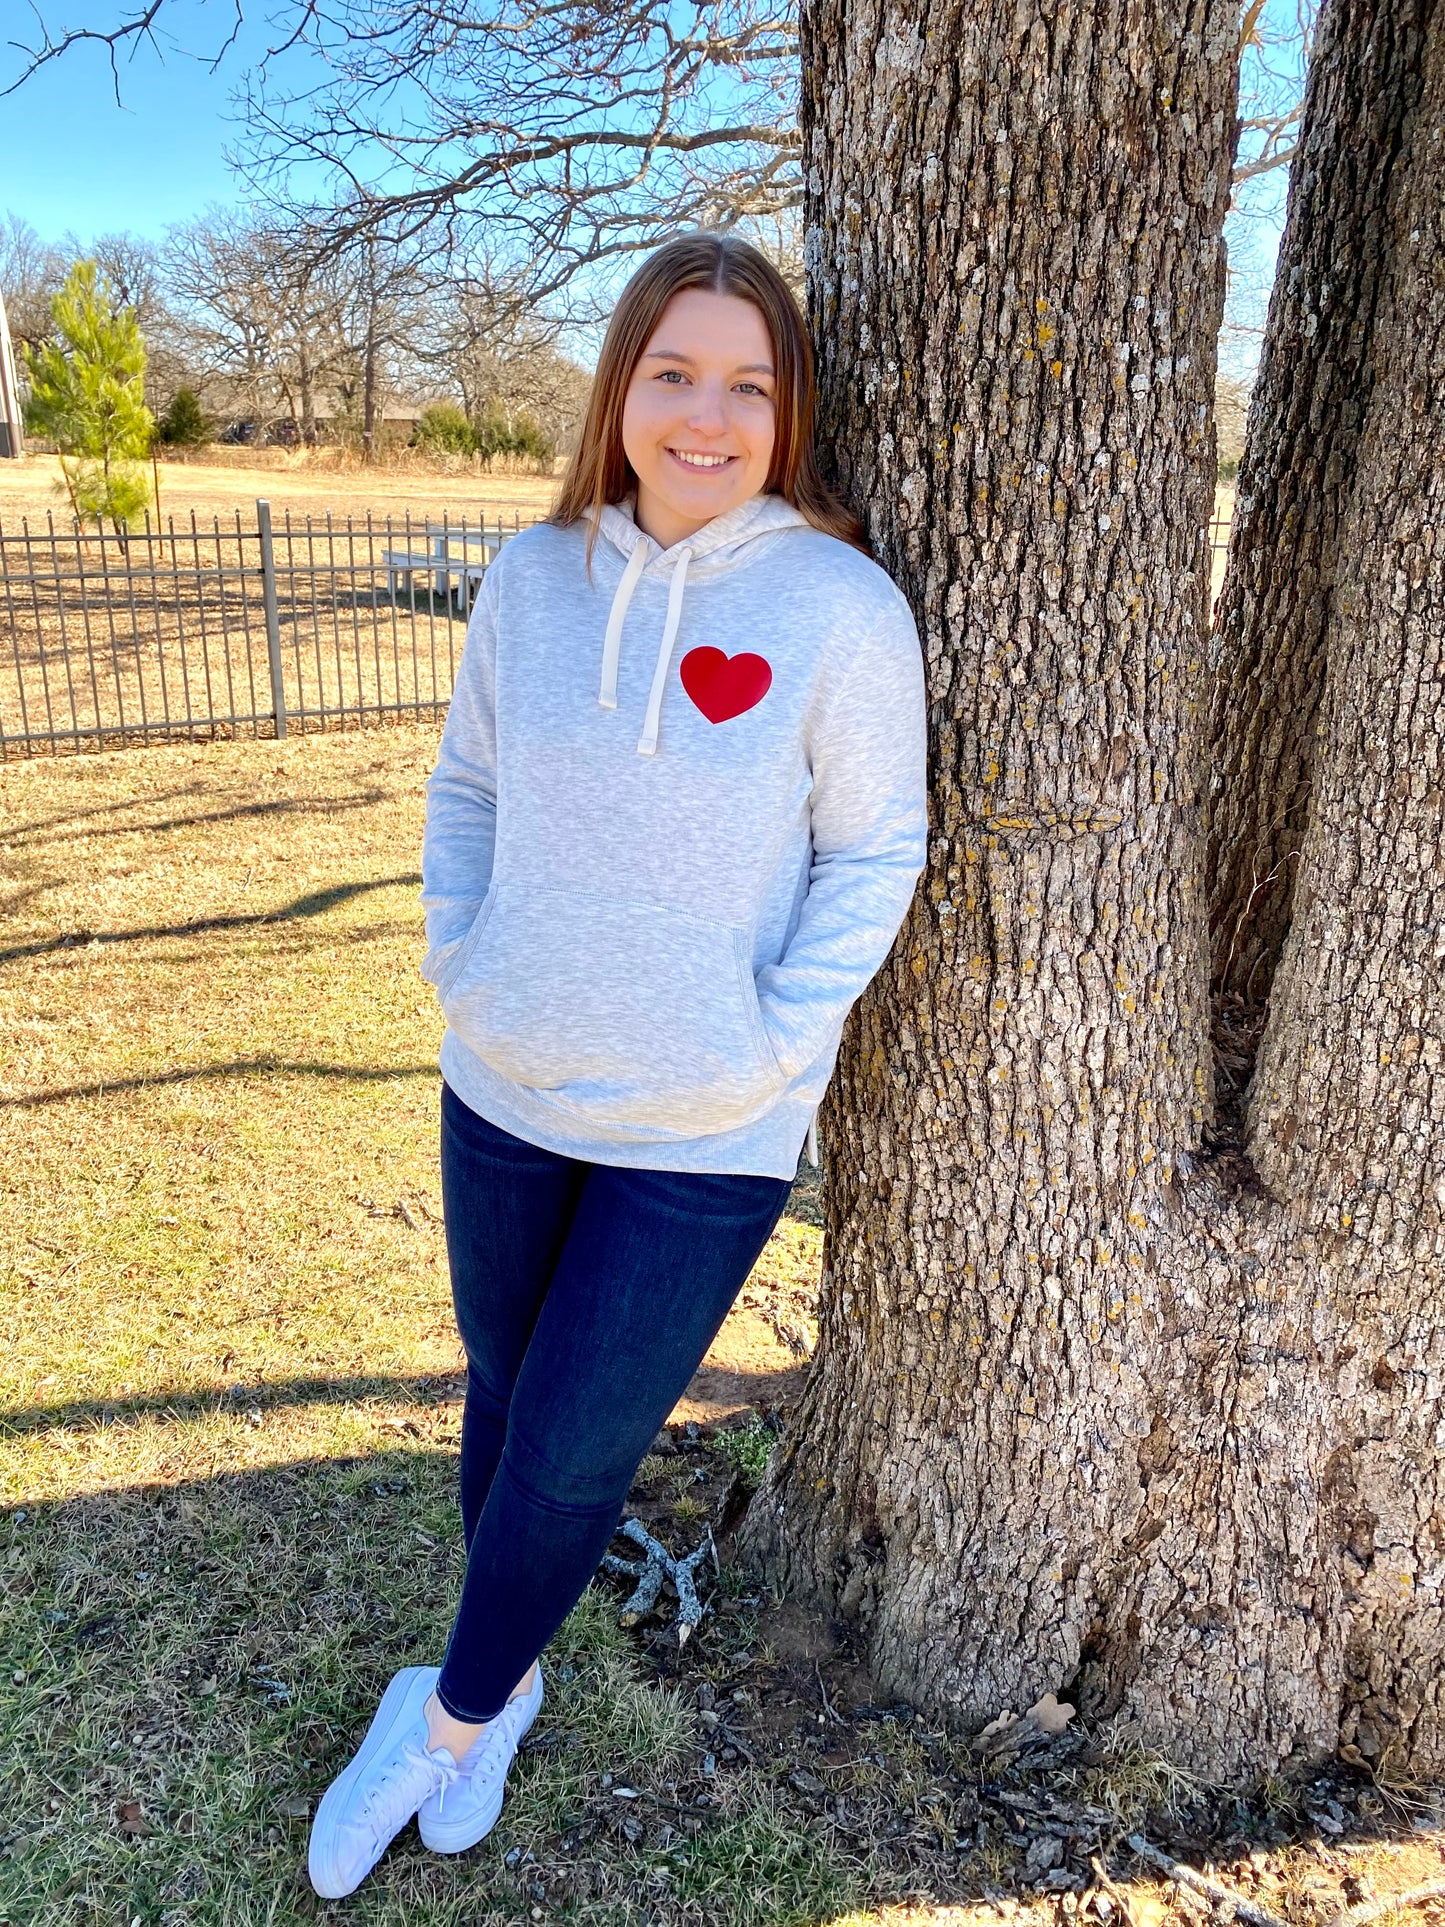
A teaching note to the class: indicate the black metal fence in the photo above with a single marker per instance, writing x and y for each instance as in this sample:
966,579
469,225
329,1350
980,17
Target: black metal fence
222,629
196,631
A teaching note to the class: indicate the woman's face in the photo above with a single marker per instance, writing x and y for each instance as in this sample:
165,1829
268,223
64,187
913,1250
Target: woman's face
697,420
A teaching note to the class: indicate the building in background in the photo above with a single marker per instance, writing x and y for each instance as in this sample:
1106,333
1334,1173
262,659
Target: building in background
12,441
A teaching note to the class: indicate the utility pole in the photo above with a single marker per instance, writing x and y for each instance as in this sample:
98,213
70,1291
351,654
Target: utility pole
12,439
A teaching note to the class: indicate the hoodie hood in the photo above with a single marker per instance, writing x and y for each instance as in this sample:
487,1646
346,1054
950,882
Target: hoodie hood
720,544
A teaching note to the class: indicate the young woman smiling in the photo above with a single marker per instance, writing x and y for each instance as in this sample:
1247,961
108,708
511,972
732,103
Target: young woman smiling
676,821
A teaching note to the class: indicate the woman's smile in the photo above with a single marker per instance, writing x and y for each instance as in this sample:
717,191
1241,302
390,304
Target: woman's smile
694,460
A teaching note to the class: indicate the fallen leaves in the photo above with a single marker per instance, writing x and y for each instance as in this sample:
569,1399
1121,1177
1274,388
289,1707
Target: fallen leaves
1011,1733
131,1818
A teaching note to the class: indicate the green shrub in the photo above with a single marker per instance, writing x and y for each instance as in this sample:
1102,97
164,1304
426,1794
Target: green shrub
185,423
747,1449
1228,471
443,429
518,435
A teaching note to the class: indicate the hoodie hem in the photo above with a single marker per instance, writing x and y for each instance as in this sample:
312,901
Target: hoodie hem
768,1147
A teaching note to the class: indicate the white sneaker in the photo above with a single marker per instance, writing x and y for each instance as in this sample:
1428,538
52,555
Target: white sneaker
460,1814
370,1802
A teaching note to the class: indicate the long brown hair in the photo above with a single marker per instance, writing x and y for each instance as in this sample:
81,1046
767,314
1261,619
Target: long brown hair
600,473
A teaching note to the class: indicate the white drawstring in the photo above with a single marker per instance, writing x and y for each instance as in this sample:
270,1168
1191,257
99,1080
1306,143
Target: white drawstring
612,645
647,742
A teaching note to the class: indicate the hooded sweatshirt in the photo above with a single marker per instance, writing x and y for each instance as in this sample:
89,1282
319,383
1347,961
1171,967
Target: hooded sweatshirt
676,820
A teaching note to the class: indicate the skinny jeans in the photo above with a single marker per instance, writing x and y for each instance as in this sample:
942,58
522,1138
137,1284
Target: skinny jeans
586,1296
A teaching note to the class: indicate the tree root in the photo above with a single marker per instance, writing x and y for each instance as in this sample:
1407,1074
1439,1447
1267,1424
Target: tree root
1367,1910
1357,1916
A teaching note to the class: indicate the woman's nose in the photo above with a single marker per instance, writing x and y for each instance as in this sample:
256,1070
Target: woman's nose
709,415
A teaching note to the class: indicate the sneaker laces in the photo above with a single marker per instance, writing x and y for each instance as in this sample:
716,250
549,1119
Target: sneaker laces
497,1743
380,1803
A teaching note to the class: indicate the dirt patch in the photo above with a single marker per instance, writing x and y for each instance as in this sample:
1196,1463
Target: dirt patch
746,1366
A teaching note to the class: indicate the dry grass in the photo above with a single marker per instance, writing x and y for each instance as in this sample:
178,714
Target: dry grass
291,480
228,1426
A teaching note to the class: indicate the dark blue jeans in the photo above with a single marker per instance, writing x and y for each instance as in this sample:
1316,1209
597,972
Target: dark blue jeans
586,1296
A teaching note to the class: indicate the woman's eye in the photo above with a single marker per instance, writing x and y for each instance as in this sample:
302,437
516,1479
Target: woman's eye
673,375
752,388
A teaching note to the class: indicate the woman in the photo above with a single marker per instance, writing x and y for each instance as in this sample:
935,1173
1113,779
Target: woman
676,821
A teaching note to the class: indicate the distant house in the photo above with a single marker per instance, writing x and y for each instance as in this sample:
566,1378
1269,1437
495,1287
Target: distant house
397,419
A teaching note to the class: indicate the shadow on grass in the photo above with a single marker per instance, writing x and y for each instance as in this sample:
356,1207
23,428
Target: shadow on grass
315,904
238,1067
423,1389
37,823
27,834
270,1396
188,1665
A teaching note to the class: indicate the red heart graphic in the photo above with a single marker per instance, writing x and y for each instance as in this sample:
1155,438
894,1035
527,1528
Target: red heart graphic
724,686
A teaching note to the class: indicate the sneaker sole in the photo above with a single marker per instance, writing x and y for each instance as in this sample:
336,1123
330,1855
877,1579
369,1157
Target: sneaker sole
335,1796
438,1837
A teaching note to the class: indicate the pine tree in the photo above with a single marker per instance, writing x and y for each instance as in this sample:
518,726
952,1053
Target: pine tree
185,423
87,395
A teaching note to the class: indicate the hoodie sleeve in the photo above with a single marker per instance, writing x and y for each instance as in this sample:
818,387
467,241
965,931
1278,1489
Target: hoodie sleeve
870,840
461,801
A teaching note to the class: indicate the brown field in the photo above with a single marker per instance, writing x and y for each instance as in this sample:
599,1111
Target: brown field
302,483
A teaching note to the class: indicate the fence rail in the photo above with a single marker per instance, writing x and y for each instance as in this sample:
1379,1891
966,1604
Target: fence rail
223,629
196,631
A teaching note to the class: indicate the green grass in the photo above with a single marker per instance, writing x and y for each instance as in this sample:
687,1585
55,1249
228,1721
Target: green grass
747,1448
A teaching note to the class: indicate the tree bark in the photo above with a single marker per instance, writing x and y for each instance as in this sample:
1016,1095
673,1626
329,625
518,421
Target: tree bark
1081,1413
1347,1118
1307,414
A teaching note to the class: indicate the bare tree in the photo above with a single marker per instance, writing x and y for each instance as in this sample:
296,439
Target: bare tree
223,275
284,327
31,271
496,353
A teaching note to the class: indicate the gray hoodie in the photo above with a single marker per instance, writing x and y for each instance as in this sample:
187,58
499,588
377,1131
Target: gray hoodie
676,821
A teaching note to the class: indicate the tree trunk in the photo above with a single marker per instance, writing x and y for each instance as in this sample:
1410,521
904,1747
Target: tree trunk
1082,1411
1347,1118
1309,408
368,364
368,393
307,386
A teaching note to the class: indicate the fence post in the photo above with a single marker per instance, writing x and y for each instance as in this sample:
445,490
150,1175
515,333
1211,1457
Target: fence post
273,619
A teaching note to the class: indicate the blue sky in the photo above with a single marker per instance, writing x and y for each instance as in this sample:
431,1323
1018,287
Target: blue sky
72,161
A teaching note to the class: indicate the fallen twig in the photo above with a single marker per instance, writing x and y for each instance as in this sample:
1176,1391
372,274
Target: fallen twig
656,1566
1201,1883
1108,1886
1367,1910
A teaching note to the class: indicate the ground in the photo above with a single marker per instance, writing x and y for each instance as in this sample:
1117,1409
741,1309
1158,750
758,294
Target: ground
229,1403
231,479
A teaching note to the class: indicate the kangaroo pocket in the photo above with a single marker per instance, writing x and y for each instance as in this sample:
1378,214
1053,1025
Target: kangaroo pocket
624,1014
